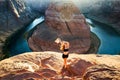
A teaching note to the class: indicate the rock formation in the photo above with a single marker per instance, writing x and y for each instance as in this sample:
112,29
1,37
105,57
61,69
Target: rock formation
14,14
104,11
100,10
102,72
49,66
62,20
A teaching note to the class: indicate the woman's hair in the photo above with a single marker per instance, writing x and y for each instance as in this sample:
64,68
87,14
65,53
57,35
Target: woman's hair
58,40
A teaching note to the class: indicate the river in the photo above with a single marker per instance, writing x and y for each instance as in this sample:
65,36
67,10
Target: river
109,38
20,45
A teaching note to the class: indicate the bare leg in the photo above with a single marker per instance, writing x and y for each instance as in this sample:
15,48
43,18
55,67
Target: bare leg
65,62
65,59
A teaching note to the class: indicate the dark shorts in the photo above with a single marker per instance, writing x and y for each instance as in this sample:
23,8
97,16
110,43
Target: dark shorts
65,56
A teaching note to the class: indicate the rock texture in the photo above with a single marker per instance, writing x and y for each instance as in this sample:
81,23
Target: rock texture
95,44
49,66
100,10
62,20
14,14
104,11
102,72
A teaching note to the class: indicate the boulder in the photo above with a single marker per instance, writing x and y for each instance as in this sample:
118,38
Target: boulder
62,20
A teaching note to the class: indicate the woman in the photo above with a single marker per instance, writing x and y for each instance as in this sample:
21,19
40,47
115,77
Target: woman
64,46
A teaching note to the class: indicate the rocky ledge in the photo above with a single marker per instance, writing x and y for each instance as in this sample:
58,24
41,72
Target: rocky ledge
62,20
49,65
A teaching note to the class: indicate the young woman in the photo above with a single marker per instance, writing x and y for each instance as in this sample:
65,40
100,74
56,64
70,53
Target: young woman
64,46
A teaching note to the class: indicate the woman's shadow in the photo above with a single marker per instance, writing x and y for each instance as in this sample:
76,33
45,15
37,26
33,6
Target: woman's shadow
67,71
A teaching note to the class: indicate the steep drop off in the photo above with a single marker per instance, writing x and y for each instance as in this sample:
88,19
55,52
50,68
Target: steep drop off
62,20
14,15
49,66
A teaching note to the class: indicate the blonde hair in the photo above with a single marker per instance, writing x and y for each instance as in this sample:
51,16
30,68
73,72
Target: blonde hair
58,40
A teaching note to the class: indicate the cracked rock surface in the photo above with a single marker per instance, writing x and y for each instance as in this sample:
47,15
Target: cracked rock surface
49,66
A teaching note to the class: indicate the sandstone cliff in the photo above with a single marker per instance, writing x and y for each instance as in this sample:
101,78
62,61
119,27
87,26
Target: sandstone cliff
14,14
62,20
105,11
49,66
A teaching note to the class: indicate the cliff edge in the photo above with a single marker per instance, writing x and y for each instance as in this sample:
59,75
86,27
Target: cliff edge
49,65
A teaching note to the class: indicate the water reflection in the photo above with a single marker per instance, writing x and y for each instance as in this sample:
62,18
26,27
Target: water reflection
21,44
110,39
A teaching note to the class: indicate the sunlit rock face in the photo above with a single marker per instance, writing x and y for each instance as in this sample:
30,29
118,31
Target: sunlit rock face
14,14
49,66
62,20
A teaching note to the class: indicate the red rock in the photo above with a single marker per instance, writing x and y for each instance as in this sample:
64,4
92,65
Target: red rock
62,20
48,73
102,72
79,66
49,66
21,76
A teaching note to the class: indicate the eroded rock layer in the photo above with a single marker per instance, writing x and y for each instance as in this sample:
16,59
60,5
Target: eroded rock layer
49,66
62,20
